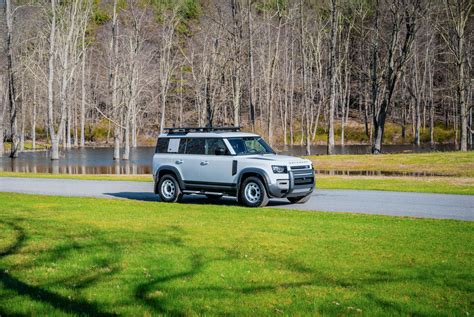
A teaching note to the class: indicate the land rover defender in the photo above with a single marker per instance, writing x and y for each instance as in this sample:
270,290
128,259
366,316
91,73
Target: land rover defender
225,161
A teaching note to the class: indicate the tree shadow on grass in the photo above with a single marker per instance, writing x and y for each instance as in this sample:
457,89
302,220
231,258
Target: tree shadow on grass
163,298
36,293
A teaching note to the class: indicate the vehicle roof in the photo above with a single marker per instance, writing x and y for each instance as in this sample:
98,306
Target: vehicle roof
213,134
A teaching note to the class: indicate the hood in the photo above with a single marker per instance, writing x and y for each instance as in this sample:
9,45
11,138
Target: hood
280,159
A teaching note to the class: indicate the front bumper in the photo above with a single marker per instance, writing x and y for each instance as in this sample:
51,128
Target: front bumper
299,183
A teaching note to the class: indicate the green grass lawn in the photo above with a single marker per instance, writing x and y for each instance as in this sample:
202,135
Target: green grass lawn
437,185
439,163
83,256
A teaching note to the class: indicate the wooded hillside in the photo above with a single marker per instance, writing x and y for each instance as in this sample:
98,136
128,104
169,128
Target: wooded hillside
75,71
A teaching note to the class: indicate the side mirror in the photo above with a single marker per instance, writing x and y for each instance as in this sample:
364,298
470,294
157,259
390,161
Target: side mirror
220,151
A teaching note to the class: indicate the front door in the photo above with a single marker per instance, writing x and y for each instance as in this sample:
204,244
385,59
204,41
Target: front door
216,165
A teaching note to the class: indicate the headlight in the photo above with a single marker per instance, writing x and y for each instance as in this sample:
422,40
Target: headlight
279,169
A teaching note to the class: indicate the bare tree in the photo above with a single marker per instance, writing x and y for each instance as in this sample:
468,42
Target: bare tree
454,34
403,17
332,76
11,81
167,60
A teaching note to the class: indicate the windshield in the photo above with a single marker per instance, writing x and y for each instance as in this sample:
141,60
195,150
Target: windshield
250,145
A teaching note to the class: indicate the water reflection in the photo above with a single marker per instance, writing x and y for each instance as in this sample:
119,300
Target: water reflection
99,160
80,161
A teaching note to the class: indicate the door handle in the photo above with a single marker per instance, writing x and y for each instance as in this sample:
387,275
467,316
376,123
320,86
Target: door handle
204,163
179,162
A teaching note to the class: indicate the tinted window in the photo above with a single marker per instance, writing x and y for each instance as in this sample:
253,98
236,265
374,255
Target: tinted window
195,146
182,146
162,145
212,145
250,145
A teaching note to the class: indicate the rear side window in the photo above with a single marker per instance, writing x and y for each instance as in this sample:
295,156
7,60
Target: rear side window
162,145
195,146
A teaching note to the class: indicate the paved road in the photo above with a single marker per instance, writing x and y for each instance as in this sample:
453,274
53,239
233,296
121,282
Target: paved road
357,201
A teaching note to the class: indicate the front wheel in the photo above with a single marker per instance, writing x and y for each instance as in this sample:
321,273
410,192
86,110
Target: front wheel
169,190
299,199
253,193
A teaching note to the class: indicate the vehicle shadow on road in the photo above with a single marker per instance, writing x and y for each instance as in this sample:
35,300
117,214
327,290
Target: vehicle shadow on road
189,199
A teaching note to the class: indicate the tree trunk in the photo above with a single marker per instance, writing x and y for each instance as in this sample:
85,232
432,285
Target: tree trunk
3,97
53,135
251,92
113,77
11,81
332,79
134,130
82,142
126,146
55,147
461,96
236,63
417,122
33,122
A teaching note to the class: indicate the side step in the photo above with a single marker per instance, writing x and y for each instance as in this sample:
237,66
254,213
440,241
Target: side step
199,192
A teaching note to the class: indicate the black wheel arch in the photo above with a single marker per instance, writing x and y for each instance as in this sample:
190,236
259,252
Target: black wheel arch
167,169
248,172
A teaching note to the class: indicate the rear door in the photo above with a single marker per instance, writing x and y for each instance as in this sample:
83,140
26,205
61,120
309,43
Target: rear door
190,161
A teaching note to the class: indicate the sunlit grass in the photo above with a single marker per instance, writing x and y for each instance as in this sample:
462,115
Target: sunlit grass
28,146
439,185
97,256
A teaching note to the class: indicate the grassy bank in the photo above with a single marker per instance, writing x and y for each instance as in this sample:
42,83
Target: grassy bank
439,163
440,185
97,256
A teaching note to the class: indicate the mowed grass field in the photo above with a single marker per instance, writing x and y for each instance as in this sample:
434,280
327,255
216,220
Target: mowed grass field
85,256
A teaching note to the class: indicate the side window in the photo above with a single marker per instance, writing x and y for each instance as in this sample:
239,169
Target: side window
162,145
214,146
238,145
173,145
195,146
253,145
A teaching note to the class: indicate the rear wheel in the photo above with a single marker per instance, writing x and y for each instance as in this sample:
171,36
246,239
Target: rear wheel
299,199
169,190
252,193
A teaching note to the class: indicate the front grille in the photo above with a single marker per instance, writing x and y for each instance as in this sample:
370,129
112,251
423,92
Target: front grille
300,167
304,180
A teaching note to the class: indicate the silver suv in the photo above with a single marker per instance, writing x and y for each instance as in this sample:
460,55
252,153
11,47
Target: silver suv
224,161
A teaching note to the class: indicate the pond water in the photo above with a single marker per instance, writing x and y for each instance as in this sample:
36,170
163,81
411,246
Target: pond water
99,160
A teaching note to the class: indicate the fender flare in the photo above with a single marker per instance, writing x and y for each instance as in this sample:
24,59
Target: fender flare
169,168
254,170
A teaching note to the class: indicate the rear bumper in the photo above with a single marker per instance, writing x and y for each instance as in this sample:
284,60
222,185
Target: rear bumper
300,183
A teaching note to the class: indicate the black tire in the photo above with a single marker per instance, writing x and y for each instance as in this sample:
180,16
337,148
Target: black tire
213,196
253,193
169,190
299,199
